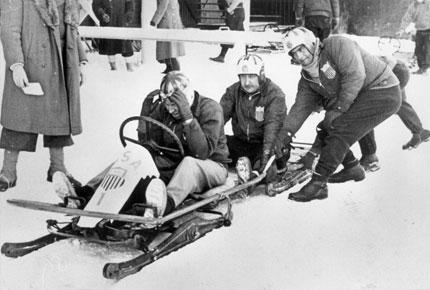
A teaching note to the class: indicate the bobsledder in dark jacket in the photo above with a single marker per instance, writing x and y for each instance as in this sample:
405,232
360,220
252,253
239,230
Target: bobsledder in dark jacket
199,125
358,92
202,139
256,107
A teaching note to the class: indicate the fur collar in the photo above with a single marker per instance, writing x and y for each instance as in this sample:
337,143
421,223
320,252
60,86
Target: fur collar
48,11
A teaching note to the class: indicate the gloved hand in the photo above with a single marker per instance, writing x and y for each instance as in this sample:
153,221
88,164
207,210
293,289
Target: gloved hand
106,18
334,23
19,76
300,22
263,161
308,159
152,23
330,116
178,97
282,147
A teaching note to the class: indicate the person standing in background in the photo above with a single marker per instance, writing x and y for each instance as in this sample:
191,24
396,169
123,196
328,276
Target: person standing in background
319,16
235,16
41,47
167,16
115,13
419,13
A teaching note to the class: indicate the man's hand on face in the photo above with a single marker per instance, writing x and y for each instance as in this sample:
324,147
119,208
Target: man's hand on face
180,99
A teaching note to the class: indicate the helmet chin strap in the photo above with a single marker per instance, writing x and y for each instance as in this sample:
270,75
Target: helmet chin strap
312,68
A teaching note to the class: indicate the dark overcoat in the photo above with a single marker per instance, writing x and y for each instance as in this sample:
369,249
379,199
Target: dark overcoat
121,14
46,41
168,16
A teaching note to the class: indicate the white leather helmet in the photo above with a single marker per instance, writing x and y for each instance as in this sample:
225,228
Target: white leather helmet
251,64
297,37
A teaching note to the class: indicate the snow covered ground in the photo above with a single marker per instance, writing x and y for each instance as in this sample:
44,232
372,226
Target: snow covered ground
374,234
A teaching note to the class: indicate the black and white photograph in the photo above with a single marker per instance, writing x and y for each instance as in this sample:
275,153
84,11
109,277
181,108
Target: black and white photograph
214,144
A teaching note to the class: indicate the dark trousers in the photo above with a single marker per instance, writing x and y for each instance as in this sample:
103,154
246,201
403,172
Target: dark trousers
22,141
319,25
406,113
369,109
234,22
239,148
422,48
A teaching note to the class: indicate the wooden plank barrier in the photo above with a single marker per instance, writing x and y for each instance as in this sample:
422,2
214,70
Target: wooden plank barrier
189,35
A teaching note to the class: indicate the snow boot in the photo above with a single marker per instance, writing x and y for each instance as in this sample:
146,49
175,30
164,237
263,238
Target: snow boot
244,174
355,173
64,190
6,182
413,143
156,196
243,169
370,163
425,135
8,173
316,188
420,71
221,56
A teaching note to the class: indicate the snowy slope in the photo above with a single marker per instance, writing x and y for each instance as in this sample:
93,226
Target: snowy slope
368,235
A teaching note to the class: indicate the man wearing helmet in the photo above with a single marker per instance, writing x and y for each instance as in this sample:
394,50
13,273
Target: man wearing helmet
256,107
357,90
198,123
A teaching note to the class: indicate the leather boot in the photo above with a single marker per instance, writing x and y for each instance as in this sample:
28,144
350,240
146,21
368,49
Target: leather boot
370,163
217,59
316,188
355,173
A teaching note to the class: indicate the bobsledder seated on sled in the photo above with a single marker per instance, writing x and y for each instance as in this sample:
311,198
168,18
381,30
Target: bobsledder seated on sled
162,178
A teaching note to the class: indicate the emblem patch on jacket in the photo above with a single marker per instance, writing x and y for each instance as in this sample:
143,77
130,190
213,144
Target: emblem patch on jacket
259,114
328,71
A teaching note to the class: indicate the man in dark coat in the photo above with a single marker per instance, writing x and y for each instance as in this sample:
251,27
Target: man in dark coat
198,123
168,16
358,92
256,107
41,45
117,13
319,16
234,18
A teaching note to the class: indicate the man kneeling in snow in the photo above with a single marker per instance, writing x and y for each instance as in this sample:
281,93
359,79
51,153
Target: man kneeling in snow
198,123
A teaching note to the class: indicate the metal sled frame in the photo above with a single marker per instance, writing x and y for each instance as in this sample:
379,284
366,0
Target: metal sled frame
155,237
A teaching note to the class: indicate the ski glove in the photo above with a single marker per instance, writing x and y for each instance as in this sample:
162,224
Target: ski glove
282,147
19,75
308,159
180,100
330,116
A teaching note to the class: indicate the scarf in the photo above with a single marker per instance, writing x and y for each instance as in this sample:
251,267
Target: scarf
48,11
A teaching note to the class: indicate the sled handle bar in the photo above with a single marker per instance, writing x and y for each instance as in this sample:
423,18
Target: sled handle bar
152,121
